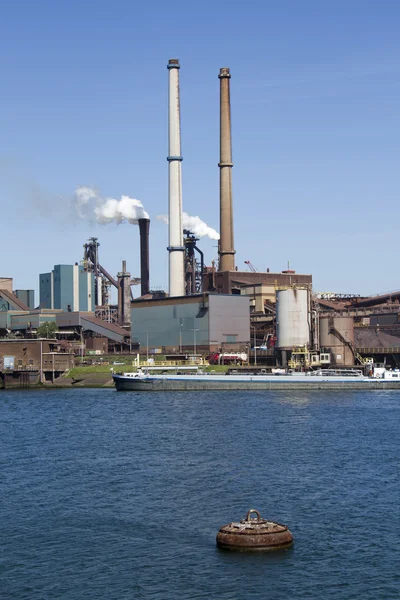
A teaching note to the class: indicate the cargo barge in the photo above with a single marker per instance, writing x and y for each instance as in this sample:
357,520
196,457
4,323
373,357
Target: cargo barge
323,379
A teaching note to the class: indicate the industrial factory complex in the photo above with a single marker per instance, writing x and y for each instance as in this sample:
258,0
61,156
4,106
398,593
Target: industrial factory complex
251,318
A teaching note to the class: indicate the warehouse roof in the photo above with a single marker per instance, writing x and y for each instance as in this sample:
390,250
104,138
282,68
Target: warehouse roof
14,302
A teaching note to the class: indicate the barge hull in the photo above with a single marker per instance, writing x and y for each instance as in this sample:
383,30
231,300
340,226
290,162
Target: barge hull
204,384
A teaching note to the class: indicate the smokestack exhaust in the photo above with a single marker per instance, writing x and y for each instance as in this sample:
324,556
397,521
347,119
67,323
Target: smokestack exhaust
175,248
226,249
144,227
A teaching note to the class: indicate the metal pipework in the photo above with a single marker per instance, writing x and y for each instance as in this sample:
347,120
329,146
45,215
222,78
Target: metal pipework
193,269
91,259
175,248
144,227
226,249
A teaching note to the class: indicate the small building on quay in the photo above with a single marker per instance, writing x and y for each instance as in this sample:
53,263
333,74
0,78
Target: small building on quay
30,361
197,324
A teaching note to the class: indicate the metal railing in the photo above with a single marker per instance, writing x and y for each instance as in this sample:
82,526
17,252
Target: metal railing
19,368
169,363
383,350
361,311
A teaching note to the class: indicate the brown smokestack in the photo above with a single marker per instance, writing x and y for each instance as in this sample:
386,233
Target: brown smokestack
226,250
144,227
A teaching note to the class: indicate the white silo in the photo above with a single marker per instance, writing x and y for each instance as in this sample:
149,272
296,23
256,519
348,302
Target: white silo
292,318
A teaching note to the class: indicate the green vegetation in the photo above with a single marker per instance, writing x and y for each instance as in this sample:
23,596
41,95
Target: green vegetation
83,370
218,368
47,330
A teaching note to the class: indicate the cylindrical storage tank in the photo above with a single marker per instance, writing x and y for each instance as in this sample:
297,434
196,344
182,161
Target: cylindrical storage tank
336,335
292,318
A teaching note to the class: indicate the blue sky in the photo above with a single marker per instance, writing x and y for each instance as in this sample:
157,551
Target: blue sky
315,95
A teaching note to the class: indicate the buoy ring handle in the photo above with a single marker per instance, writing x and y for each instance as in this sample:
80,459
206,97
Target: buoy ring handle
253,510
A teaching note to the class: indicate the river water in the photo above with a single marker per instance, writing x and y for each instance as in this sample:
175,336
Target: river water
108,495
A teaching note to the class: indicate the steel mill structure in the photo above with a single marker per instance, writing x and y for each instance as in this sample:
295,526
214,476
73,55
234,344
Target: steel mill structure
194,264
274,318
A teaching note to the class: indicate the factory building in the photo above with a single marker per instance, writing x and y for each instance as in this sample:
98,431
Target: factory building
25,320
354,329
67,287
17,299
30,361
236,282
27,297
273,315
9,301
196,324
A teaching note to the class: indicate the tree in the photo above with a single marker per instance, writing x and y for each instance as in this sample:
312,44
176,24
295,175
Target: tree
47,330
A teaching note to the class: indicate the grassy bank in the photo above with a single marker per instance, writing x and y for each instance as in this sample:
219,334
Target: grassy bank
85,370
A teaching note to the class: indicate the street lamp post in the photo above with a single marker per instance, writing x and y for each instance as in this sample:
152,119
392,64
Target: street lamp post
147,347
194,340
41,361
254,346
82,344
180,338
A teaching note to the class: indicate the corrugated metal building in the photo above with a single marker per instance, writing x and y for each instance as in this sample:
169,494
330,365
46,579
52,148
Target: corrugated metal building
231,282
8,301
27,297
68,287
18,320
88,322
198,323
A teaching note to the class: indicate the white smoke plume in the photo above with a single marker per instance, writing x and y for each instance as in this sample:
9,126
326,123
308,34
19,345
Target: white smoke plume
89,203
195,225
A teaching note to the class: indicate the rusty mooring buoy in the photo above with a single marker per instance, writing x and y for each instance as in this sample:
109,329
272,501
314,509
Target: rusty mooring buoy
254,534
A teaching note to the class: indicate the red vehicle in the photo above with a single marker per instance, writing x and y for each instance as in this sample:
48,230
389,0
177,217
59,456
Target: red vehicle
227,358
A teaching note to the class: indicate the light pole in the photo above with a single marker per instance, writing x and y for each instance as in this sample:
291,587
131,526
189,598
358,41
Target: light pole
254,346
82,344
180,338
41,361
147,347
194,340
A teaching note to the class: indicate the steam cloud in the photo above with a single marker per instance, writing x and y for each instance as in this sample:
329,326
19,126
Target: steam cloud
88,203
195,225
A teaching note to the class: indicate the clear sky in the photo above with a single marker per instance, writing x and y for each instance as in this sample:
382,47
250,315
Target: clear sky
315,93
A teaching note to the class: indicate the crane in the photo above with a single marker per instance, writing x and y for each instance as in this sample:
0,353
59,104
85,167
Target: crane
251,266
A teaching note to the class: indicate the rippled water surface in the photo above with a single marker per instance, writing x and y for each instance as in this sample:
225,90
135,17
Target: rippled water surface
120,495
